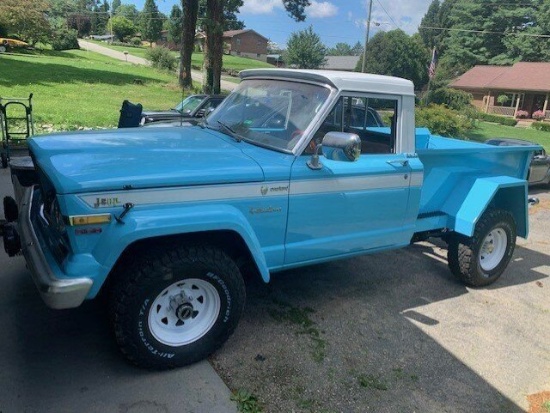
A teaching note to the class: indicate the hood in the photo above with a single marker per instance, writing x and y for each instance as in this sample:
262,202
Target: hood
141,158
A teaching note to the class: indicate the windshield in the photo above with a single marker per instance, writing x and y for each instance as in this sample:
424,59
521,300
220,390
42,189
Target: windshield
189,104
270,113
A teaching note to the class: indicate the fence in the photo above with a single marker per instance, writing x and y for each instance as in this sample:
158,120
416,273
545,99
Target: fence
504,111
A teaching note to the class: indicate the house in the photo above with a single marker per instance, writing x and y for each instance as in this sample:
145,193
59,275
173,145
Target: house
245,43
346,63
505,90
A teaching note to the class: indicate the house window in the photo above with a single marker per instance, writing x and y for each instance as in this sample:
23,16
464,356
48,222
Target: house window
509,100
238,42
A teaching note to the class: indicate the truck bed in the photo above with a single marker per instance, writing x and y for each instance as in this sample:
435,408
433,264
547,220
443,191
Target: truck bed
454,168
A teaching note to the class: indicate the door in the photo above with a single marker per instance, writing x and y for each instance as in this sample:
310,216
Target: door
349,207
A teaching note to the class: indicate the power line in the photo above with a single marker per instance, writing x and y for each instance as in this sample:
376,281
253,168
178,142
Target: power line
391,18
544,36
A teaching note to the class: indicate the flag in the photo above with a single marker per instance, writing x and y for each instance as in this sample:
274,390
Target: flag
431,68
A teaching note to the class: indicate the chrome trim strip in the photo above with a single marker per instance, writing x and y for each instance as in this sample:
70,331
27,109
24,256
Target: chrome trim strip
252,191
56,293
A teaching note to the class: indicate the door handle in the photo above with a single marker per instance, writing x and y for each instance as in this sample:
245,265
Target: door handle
400,162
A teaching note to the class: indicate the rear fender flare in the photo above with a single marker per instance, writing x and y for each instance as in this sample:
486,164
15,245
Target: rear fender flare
502,192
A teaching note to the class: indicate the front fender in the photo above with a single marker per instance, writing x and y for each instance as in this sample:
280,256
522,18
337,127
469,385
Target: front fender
176,220
469,202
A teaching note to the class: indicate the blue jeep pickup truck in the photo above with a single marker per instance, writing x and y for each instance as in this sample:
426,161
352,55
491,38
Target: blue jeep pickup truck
295,167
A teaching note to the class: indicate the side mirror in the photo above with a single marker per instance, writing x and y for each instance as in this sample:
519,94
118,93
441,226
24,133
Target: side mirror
200,113
341,146
337,146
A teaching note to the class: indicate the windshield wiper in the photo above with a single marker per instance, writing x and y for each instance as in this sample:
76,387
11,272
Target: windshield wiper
229,131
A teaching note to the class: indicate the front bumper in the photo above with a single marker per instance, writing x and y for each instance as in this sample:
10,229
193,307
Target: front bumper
56,292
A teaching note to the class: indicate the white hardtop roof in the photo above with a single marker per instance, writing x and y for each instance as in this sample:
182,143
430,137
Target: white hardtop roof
349,81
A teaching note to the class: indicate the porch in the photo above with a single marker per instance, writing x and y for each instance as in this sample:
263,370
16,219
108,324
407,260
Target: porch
517,104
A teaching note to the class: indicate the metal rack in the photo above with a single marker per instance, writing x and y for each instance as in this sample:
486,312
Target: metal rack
16,124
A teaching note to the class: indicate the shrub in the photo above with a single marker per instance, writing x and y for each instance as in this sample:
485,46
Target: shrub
541,126
539,115
453,98
522,114
161,58
441,120
64,39
502,120
503,99
136,41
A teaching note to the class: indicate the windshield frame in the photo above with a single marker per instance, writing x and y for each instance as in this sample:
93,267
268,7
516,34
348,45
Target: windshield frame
301,144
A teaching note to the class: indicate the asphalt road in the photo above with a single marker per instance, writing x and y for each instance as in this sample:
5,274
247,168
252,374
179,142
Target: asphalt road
67,361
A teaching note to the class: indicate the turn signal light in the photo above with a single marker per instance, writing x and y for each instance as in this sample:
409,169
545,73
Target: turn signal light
89,219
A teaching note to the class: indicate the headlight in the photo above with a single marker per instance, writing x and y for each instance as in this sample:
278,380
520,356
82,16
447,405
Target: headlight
56,218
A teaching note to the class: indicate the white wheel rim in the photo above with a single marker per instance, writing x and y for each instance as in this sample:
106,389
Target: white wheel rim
493,249
184,312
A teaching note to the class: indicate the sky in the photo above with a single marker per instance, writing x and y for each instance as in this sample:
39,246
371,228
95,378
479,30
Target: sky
335,21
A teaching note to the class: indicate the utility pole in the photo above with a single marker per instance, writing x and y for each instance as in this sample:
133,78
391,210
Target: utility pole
366,38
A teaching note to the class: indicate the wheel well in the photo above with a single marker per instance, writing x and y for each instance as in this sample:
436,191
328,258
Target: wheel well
228,241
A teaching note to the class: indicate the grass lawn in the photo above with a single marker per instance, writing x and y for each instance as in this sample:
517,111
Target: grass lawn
486,130
229,62
76,88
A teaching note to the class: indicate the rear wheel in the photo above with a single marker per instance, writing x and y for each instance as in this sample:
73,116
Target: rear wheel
177,307
481,259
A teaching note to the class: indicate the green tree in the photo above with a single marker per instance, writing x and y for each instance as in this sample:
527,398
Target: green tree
296,9
26,19
340,49
429,35
129,11
175,24
394,53
122,27
230,11
214,24
100,18
357,49
305,50
151,22
115,5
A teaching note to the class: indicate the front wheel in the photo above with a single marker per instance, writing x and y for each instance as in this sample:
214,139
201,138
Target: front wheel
481,259
177,307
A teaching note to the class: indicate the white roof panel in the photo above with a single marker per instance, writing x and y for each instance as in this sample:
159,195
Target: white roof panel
350,81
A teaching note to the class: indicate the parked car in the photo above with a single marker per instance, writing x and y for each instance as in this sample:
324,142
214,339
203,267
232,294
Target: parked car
539,171
191,109
6,44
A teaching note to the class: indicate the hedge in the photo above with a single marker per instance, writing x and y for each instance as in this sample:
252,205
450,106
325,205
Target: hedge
542,126
487,117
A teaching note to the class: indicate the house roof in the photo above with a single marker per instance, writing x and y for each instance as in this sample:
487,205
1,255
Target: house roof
521,76
341,62
232,33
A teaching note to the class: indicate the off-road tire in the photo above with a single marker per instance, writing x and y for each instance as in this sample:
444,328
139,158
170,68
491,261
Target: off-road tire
464,253
135,289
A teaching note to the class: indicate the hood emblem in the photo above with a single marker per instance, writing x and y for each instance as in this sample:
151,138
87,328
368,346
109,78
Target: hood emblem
106,202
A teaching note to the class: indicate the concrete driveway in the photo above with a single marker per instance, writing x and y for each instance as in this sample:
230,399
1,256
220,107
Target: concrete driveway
67,361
